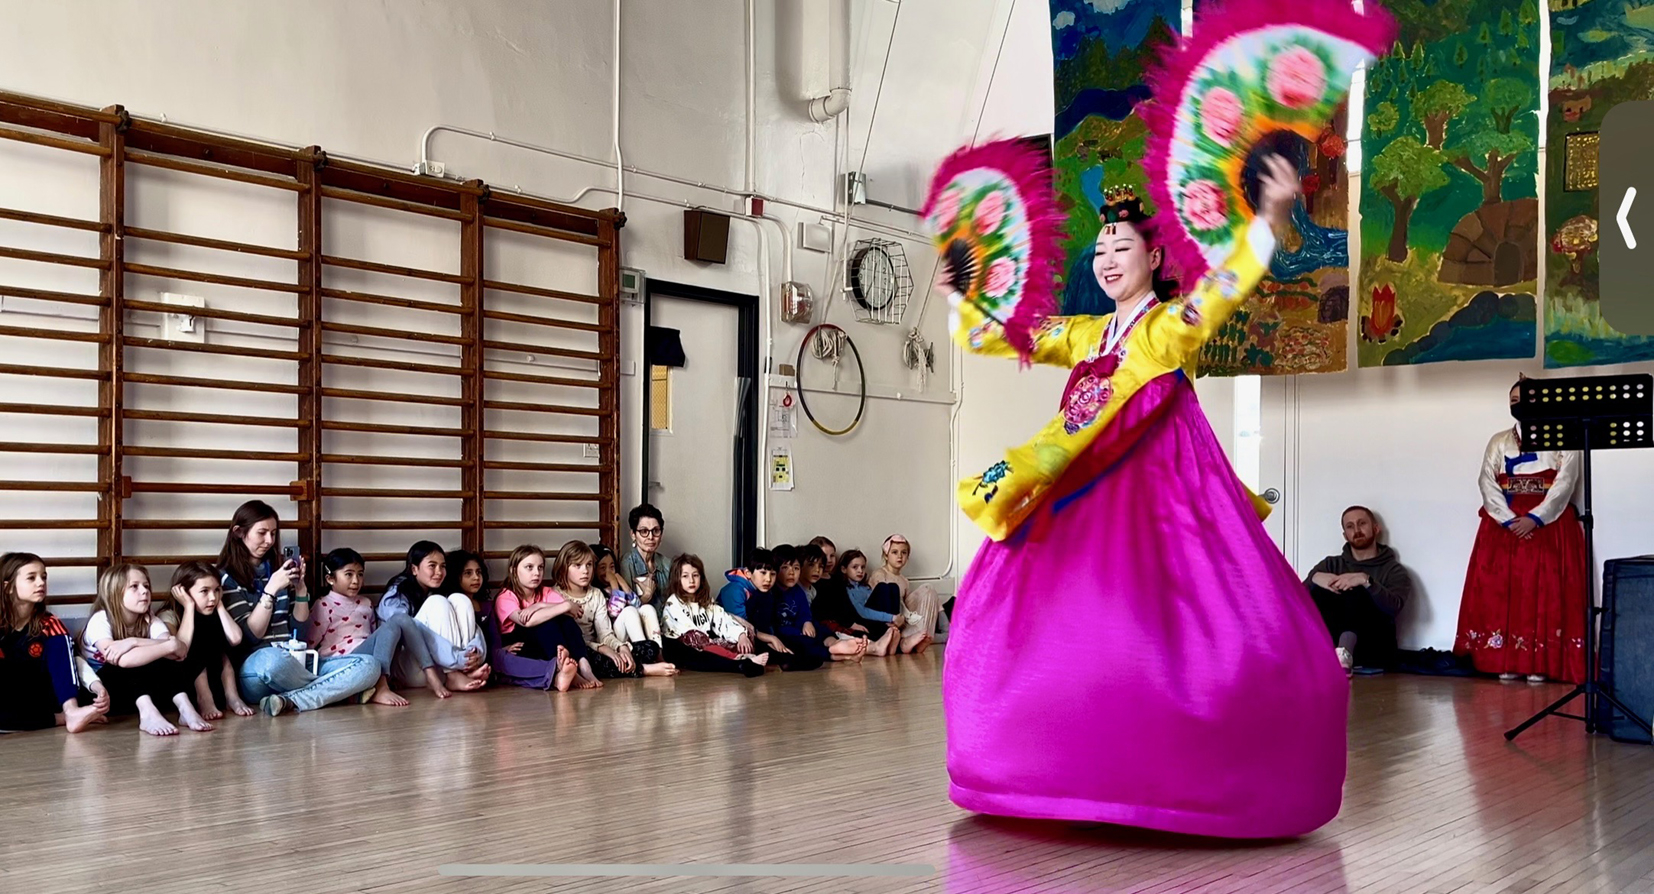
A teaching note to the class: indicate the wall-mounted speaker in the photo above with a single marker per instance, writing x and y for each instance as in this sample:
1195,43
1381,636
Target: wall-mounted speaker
1627,644
705,236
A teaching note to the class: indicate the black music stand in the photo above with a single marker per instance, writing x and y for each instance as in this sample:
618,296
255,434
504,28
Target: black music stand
1586,414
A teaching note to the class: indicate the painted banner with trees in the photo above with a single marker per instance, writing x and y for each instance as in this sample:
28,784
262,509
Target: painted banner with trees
1450,227
1101,50
1602,54
1298,319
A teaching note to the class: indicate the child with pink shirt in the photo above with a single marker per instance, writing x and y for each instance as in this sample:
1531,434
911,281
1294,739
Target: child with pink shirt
343,623
542,621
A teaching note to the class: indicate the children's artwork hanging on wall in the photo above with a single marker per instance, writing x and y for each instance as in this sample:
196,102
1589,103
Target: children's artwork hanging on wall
1297,321
1450,227
1101,50
1602,54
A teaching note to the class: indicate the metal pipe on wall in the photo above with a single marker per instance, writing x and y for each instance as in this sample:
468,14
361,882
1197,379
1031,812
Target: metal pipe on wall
620,160
837,98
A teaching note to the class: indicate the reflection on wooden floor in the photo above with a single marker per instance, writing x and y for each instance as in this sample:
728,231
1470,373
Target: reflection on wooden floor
844,765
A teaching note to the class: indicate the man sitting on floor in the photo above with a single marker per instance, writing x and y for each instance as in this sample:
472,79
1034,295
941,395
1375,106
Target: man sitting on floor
1360,592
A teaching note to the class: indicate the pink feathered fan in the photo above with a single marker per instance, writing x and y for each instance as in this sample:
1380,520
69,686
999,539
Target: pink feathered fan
996,226
1252,68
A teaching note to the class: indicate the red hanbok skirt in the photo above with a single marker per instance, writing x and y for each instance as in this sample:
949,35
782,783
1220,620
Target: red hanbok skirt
1523,610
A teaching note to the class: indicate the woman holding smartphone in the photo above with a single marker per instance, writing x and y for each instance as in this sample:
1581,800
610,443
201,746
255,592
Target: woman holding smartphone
265,593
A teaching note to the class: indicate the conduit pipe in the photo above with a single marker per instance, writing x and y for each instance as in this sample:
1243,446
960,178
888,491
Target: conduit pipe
620,160
836,100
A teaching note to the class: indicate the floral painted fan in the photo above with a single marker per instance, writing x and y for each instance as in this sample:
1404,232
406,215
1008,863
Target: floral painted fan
996,226
1253,69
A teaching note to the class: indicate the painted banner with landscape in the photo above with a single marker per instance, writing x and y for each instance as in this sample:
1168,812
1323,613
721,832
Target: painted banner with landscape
1450,226
1602,54
1101,49
1298,319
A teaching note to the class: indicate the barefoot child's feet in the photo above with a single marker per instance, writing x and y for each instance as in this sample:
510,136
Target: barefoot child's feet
78,718
588,677
848,649
567,672
384,695
660,669
188,716
460,681
433,682
151,721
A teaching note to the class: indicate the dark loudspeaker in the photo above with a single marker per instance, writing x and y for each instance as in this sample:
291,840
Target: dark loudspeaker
1627,644
705,236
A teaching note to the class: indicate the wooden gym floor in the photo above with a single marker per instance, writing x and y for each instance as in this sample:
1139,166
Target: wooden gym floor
716,769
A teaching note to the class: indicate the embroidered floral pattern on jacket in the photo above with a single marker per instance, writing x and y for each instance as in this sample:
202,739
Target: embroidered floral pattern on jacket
990,479
1085,402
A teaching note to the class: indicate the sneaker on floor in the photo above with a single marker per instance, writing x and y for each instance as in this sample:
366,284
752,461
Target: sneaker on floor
1509,677
273,705
1536,678
1346,660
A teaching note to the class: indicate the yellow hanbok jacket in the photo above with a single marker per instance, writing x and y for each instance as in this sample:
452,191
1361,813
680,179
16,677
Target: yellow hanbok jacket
1167,339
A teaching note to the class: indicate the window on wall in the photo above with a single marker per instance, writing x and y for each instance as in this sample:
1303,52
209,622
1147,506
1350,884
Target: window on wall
660,398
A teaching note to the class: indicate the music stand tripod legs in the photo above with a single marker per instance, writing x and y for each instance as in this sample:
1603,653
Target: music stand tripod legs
1604,412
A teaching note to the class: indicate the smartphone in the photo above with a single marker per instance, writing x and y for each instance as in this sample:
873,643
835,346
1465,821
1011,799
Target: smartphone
290,554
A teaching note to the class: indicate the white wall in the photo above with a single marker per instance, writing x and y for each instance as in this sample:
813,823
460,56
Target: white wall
367,79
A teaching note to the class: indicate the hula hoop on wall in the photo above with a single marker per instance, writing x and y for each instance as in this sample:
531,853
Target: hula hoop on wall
861,371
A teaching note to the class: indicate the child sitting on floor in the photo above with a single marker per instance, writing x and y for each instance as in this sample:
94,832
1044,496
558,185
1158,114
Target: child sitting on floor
204,626
610,657
343,623
793,620
38,686
539,618
843,617
137,656
893,594
700,634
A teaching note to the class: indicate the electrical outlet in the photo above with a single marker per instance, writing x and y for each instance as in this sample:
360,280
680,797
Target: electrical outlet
183,326
593,452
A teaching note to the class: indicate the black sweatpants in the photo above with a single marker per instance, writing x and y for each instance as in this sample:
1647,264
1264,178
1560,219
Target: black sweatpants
807,654
1354,611
645,652
688,659
541,641
160,679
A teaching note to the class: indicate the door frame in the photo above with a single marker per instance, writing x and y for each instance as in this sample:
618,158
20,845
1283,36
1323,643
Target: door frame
744,511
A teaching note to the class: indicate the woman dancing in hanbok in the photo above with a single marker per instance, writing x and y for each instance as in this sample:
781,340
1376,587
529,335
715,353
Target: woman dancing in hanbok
1130,646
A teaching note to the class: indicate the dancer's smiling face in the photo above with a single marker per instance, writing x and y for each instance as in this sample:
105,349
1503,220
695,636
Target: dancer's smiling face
1125,262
